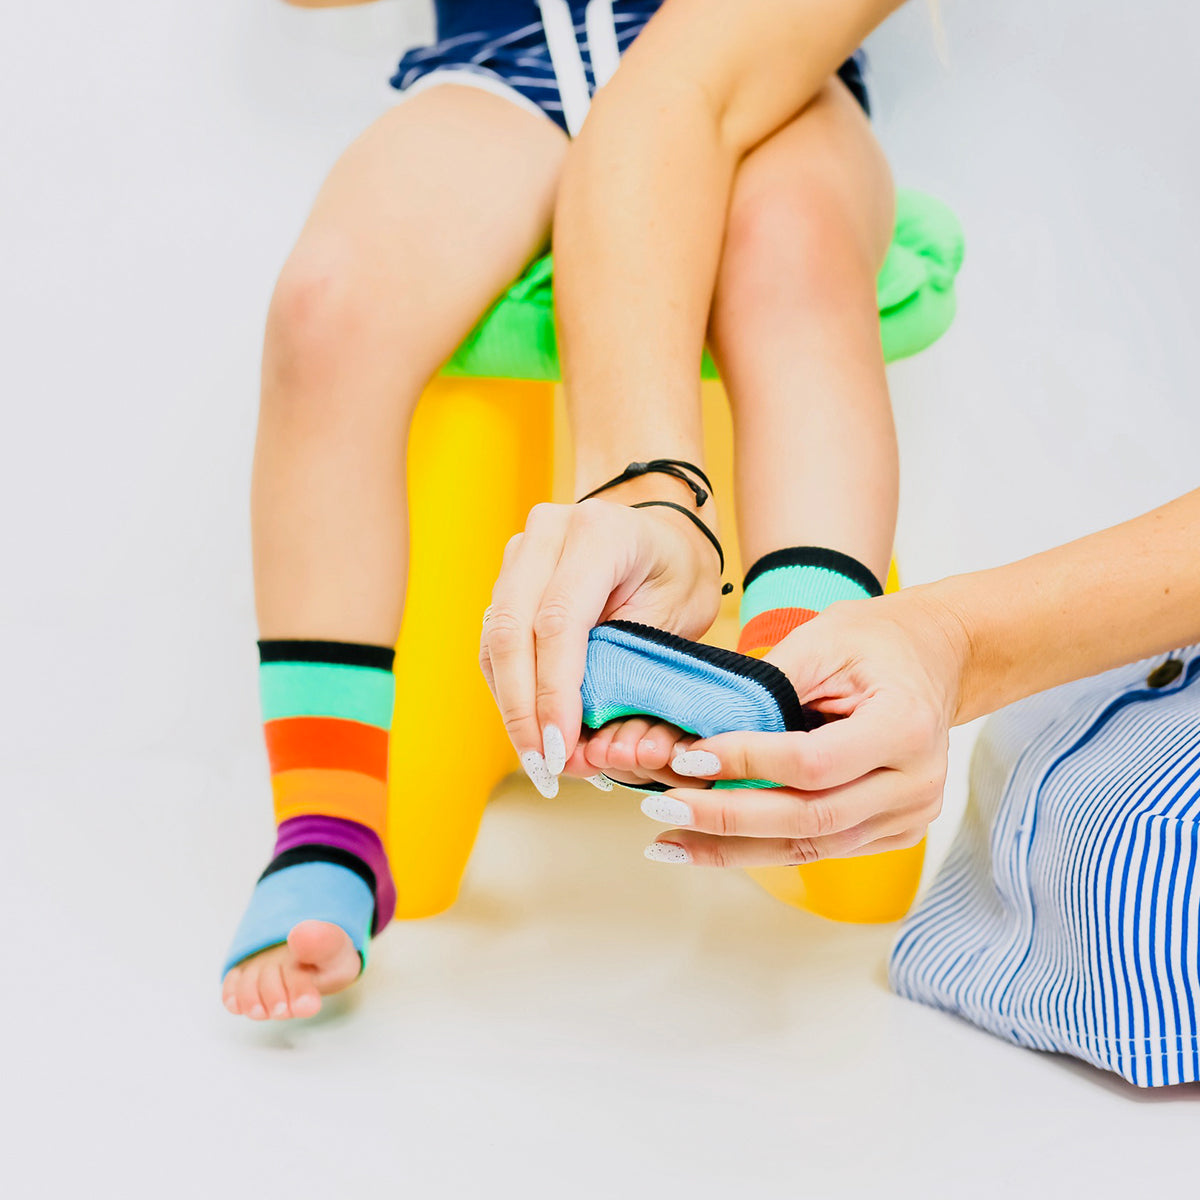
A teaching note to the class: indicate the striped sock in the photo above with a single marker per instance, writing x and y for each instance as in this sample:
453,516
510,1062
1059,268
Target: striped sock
327,708
788,587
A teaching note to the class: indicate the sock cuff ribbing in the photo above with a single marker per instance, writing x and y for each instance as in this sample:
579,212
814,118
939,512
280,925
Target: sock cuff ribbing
819,558
342,654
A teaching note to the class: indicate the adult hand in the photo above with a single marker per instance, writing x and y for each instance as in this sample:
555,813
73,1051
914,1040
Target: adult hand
888,671
574,566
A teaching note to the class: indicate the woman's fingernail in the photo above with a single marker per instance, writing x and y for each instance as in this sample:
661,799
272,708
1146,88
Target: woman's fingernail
539,774
667,810
554,747
695,762
667,852
601,782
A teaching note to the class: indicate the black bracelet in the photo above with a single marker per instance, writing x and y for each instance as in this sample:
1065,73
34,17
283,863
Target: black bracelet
699,524
674,467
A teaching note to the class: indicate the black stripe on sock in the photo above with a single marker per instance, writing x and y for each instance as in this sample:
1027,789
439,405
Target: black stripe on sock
816,556
315,852
795,716
343,654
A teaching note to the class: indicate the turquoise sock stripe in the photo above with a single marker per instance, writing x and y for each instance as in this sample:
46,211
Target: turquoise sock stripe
306,689
803,586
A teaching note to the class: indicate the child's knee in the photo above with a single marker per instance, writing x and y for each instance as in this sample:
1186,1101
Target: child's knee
317,308
798,245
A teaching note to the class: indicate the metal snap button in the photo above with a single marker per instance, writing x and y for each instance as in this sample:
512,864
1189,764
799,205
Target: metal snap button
1165,673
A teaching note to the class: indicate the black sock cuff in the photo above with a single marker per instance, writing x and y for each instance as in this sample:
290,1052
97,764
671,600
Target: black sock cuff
342,654
816,556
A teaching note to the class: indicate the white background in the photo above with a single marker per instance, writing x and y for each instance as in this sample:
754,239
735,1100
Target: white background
584,1023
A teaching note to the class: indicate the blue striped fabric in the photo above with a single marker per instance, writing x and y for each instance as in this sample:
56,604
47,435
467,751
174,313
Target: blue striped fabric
503,42
510,46
1067,915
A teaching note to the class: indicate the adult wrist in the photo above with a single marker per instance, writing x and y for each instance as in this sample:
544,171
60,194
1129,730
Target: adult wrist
938,624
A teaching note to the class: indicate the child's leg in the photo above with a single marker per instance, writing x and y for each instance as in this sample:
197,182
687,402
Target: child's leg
418,228
795,331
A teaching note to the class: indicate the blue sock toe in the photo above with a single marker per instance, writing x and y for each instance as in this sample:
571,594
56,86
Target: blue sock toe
634,670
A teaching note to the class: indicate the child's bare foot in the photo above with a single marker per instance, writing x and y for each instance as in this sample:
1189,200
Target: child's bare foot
289,980
635,750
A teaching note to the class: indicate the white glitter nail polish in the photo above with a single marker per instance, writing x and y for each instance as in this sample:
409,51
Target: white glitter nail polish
695,762
667,852
601,783
667,810
539,775
554,747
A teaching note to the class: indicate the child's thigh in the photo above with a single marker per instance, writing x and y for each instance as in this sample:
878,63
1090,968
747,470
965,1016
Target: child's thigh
430,212
821,177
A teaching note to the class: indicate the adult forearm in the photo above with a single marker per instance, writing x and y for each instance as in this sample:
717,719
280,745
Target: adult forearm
1111,598
642,205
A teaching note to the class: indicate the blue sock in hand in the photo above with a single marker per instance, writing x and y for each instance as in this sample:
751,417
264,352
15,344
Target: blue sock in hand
634,670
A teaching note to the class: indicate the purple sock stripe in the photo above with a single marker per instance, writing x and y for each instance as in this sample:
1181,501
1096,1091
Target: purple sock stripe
353,838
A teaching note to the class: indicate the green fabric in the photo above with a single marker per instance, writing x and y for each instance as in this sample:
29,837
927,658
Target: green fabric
515,339
304,689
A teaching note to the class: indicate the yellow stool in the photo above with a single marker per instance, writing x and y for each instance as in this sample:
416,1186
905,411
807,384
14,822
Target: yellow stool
480,457
482,452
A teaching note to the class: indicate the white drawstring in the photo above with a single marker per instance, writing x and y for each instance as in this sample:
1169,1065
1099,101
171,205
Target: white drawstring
602,40
568,63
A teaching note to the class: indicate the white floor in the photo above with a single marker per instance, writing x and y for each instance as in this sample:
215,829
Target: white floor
584,1023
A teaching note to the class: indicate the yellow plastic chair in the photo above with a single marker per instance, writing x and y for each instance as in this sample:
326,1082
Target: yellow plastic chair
481,454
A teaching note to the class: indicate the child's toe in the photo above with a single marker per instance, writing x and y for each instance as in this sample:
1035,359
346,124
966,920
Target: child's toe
271,991
229,990
654,747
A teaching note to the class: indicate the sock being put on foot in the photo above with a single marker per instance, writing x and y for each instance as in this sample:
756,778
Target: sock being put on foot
788,587
327,708
634,670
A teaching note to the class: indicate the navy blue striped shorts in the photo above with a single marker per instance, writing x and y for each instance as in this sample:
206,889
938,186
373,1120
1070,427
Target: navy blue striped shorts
1067,915
548,56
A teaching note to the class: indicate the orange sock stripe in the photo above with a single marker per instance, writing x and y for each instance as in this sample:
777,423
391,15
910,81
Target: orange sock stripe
327,743
345,794
768,629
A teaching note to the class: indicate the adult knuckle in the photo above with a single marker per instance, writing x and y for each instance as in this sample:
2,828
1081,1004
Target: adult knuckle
552,620
815,819
725,821
800,851
809,765
542,515
505,635
717,855
589,513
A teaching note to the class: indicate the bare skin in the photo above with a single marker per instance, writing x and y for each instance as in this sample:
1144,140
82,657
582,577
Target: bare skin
795,332
640,220
419,226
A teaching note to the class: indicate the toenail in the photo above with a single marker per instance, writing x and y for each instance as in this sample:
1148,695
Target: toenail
231,1003
280,1010
257,1012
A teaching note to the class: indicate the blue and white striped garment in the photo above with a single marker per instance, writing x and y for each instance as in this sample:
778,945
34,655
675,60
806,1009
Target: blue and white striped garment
548,56
1067,915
